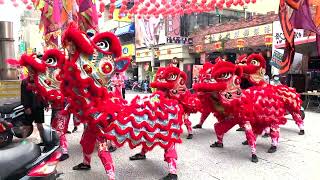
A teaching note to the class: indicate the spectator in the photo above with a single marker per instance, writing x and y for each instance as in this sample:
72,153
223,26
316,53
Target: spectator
34,107
117,82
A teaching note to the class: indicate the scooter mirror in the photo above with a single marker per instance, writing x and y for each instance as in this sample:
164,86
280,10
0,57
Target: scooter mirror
50,136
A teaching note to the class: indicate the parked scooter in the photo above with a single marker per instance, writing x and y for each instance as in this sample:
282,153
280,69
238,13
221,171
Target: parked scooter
11,123
26,162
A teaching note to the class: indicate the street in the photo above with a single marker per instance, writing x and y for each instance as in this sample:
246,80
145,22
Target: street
298,157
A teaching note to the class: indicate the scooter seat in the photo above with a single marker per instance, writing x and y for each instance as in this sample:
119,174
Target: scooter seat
9,108
14,159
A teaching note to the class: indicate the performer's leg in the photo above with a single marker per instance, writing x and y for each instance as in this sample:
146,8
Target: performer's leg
139,156
204,116
106,158
251,138
59,122
88,142
299,121
221,128
274,134
170,156
188,125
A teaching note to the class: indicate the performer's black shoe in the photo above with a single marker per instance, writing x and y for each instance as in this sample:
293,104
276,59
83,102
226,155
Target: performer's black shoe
74,129
198,126
190,136
245,142
68,132
254,158
301,132
64,157
216,144
240,129
265,135
170,177
81,166
138,156
112,149
272,149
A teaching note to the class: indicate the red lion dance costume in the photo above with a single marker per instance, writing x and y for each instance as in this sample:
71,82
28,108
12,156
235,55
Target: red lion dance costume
47,79
172,81
150,121
254,69
254,110
82,79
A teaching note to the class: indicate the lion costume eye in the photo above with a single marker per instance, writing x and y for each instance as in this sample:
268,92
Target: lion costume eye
255,62
172,77
51,61
106,67
103,45
225,76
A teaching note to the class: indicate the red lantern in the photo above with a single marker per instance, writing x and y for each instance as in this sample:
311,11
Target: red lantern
25,1
29,7
139,17
253,1
247,1
1,1
102,7
152,1
240,43
110,16
268,40
218,45
15,4
99,15
112,1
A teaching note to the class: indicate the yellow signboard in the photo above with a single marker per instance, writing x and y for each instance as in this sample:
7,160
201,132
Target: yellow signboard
124,17
128,50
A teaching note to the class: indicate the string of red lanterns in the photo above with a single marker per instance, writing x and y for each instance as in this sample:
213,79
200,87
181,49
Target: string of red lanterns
155,8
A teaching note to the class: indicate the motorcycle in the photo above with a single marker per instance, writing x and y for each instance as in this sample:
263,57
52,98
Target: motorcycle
26,162
11,123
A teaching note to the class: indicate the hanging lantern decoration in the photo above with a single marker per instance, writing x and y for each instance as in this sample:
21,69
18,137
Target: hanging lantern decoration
218,45
240,43
138,54
158,53
146,53
169,51
153,8
268,40
102,7
199,48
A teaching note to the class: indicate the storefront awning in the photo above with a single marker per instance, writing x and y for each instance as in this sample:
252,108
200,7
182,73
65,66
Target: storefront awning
129,29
